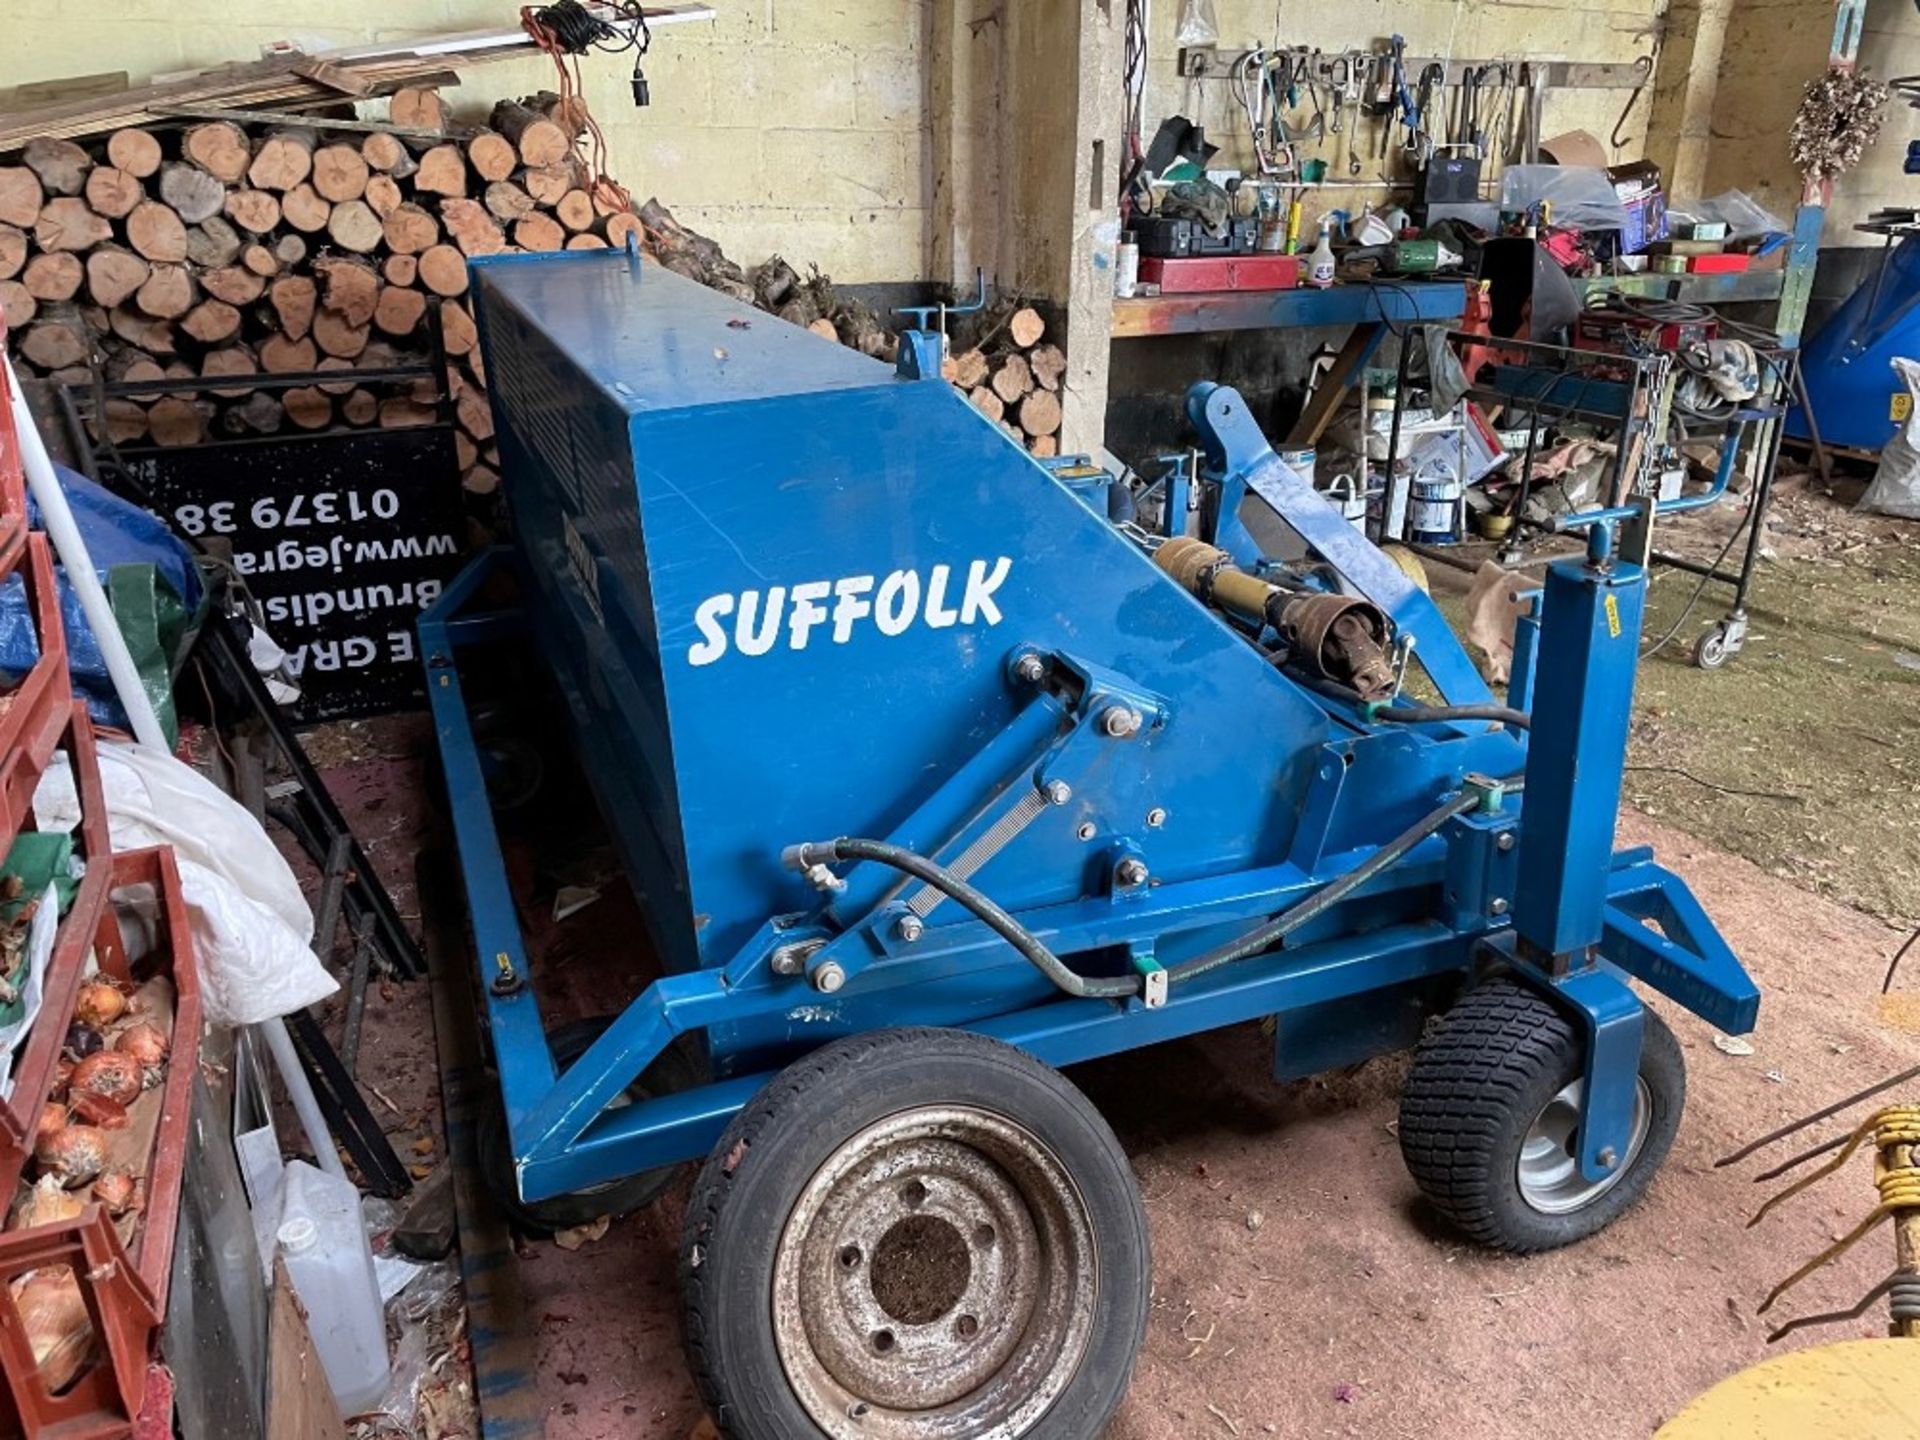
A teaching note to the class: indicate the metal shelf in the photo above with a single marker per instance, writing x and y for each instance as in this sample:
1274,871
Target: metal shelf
1748,287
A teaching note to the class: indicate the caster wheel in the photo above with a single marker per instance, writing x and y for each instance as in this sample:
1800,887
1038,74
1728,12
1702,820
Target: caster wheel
916,1235
674,1070
1490,1112
1711,650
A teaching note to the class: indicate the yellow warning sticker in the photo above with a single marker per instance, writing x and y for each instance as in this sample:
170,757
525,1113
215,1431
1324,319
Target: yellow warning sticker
1613,616
1901,408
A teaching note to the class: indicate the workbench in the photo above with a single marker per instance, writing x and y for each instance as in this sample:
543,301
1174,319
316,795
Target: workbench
1385,303
1371,309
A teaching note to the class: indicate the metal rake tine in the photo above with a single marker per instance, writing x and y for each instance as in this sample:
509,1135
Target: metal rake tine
1854,1141
1834,1317
1817,1116
1825,1257
1805,1155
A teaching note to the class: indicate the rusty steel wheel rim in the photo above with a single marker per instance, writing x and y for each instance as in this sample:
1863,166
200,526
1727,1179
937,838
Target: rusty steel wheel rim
935,1281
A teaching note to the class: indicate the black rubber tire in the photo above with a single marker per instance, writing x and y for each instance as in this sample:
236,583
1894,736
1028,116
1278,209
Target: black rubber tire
676,1069
774,1146
1480,1078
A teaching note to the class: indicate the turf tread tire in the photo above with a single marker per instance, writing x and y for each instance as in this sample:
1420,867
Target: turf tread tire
1478,1080
763,1121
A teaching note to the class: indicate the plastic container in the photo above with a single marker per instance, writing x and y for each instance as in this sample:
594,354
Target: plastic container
324,1243
1322,273
1436,504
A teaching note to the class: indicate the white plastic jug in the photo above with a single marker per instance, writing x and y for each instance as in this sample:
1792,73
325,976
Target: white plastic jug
324,1243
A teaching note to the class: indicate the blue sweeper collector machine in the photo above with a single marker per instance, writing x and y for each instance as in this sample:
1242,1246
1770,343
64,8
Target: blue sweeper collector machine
935,768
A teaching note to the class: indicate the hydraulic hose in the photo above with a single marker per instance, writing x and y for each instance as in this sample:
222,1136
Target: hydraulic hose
983,907
1411,713
1419,714
1330,894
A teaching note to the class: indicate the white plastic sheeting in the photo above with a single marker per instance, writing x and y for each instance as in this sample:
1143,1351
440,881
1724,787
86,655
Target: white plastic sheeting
251,924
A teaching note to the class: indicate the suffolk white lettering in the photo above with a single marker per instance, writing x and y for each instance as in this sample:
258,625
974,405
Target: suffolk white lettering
836,610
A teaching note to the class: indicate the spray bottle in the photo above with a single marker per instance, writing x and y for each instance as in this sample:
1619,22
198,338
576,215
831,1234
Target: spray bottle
1321,271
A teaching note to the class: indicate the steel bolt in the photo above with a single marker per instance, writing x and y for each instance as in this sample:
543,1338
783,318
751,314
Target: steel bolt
829,978
1030,668
1506,841
1156,817
910,928
1058,792
1121,722
1496,906
1607,1158
1131,872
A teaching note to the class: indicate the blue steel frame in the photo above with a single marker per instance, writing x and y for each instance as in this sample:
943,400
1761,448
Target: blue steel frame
1534,888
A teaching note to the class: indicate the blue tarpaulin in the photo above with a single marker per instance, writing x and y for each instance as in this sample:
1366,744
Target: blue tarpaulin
151,578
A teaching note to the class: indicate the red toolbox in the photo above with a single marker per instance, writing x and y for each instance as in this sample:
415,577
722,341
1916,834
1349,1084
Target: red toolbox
1719,264
1221,272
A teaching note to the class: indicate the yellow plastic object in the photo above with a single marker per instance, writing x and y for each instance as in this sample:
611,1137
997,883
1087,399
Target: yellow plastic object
1857,1389
1409,564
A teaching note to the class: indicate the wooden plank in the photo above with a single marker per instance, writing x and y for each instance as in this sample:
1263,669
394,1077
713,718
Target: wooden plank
299,1404
284,117
1332,390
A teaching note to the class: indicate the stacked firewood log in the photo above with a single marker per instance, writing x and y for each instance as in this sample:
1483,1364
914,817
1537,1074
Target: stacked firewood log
217,249
1013,378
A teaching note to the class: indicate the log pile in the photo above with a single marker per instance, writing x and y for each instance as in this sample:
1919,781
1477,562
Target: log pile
1012,376
1008,372
215,249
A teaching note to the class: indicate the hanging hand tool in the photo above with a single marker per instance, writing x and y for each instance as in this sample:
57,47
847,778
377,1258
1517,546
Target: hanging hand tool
1431,96
1536,112
1644,64
1357,64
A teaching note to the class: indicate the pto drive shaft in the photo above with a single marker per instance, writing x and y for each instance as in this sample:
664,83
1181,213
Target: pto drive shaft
1335,637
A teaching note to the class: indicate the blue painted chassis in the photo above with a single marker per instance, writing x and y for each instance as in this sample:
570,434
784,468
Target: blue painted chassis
1536,890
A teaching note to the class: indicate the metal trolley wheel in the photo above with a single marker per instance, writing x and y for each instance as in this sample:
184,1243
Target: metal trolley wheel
1711,650
915,1235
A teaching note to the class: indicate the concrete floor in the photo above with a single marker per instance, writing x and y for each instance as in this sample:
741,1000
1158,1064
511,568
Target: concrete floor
1300,1286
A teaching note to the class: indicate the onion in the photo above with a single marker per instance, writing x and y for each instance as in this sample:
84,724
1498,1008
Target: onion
47,1203
53,1312
73,1155
53,1116
99,1005
109,1074
62,1078
91,1109
147,1044
114,1190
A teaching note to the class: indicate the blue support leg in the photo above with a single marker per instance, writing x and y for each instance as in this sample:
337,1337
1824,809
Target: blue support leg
1582,689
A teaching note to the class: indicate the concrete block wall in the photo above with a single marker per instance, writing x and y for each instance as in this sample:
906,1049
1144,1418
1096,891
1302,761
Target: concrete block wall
796,126
1773,48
